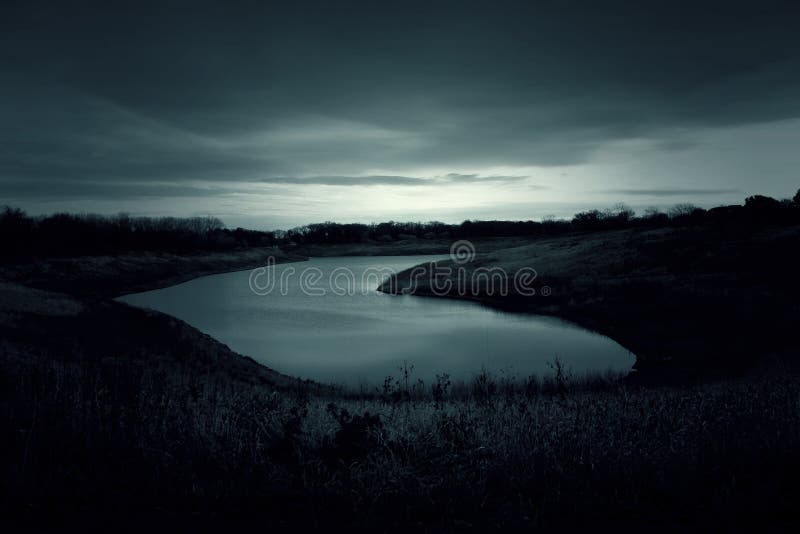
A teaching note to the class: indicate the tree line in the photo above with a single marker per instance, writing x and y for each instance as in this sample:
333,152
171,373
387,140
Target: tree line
64,234
757,209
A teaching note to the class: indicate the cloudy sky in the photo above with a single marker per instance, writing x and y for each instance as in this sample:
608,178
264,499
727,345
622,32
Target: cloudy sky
274,114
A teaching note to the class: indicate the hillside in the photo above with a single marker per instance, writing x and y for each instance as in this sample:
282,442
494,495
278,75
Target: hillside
685,300
107,276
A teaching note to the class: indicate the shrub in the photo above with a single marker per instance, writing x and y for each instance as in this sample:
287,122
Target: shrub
355,437
439,390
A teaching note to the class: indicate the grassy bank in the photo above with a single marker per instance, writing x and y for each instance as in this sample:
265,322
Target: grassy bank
693,301
108,276
410,247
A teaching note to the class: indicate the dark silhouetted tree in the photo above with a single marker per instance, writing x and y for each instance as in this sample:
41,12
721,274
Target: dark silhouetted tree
681,210
761,203
588,220
655,216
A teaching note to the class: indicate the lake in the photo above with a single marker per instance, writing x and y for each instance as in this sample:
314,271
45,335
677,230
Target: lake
322,319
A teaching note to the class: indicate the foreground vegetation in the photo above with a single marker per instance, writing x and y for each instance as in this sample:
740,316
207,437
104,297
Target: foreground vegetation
159,439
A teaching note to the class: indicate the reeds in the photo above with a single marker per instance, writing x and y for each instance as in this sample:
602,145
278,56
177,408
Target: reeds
494,451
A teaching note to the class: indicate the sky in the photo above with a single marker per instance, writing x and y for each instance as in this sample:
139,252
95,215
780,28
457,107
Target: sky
277,114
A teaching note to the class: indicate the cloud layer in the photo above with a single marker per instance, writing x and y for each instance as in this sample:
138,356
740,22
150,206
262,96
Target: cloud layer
189,99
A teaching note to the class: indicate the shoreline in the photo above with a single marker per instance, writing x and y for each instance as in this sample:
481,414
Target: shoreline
682,301
108,277
65,315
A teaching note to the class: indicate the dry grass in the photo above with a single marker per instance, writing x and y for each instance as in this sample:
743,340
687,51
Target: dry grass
485,454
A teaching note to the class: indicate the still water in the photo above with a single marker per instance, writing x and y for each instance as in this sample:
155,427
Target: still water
322,319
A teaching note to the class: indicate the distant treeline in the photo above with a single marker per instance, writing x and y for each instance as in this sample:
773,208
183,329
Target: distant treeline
67,234
756,210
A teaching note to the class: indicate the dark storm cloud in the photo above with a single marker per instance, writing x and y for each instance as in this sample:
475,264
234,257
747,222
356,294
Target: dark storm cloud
256,91
78,189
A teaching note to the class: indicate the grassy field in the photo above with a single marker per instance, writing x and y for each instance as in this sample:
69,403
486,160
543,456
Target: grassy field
163,439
